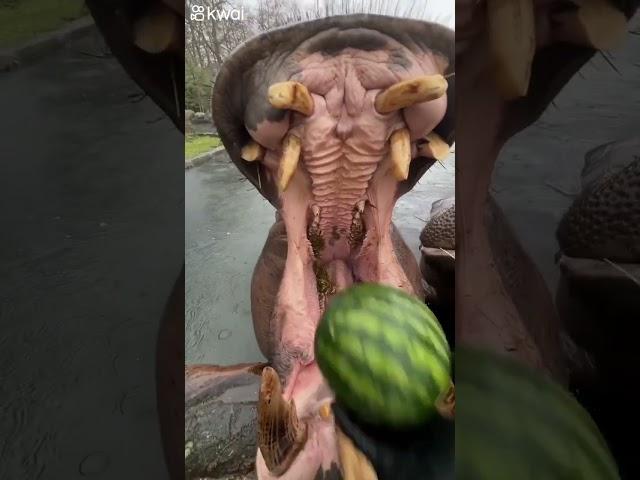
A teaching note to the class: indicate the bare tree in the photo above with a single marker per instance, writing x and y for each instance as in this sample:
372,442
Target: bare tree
209,42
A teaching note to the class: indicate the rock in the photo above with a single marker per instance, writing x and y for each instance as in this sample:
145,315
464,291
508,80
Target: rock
200,117
220,422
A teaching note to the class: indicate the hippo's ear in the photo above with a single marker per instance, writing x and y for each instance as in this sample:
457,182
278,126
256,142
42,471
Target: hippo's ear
160,75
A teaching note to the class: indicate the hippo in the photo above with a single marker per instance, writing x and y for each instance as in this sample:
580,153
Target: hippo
332,121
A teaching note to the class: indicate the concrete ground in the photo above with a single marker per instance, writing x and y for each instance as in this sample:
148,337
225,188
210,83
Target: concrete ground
90,245
226,225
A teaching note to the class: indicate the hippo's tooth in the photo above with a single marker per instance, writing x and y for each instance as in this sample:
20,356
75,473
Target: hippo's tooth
355,465
512,37
325,411
291,96
252,151
400,142
446,404
157,30
435,147
281,435
595,23
409,92
288,161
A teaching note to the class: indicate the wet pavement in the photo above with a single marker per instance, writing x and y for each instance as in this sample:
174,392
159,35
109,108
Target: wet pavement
91,185
226,225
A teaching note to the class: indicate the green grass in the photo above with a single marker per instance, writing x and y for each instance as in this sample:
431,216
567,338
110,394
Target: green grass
23,20
194,145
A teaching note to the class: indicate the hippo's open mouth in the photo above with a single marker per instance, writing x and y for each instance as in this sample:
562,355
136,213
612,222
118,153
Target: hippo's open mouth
332,121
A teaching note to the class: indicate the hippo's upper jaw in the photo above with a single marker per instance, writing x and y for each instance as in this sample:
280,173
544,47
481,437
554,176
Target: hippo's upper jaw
332,121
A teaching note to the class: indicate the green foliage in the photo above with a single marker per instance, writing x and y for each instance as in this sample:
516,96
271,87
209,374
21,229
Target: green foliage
197,88
23,20
194,145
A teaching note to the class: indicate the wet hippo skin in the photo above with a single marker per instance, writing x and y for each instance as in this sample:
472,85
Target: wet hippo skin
323,119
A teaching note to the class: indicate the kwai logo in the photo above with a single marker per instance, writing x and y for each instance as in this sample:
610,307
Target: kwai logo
200,13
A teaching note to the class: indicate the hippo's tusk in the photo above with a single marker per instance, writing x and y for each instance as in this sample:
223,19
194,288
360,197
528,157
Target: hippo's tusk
325,411
435,147
409,92
446,404
252,151
288,161
595,23
291,96
400,143
512,37
157,30
281,435
355,465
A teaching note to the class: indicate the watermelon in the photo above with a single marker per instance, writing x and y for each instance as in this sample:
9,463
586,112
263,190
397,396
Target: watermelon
514,423
384,355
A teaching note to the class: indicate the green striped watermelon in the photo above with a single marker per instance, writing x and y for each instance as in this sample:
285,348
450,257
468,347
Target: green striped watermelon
384,354
513,423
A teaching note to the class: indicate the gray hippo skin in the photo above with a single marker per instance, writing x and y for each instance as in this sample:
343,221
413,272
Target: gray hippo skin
437,263
327,120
